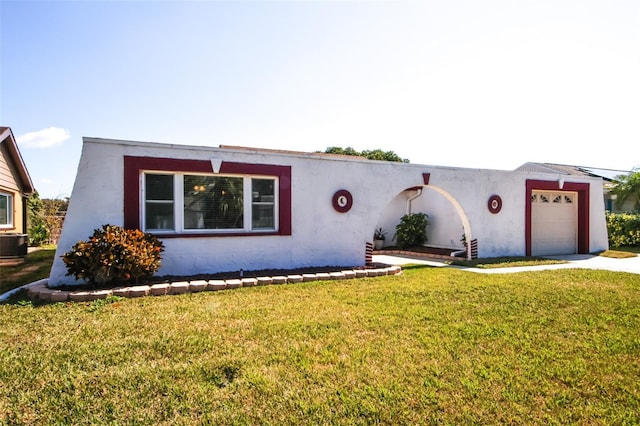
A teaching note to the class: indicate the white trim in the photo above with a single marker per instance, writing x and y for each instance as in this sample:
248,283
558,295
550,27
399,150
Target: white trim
10,207
216,163
178,204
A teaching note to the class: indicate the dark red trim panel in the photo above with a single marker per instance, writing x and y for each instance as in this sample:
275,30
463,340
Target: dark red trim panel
583,209
134,165
426,177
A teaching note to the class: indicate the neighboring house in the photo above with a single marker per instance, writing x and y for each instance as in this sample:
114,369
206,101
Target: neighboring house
15,188
608,179
231,208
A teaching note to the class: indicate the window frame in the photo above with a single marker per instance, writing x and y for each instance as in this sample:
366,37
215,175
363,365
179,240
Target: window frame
178,201
10,213
135,166
144,201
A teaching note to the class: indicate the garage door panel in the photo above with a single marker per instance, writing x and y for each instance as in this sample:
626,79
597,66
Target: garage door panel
553,223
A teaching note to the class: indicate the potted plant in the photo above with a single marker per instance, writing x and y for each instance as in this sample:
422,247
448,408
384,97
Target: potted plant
378,238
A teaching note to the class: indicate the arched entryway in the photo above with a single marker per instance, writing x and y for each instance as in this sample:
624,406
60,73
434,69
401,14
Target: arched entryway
449,223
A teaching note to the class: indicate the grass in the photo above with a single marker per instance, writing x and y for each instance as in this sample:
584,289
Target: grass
506,262
37,265
629,249
618,254
430,346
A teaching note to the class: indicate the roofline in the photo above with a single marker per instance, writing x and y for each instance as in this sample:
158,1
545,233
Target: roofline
583,169
14,152
283,153
579,167
238,150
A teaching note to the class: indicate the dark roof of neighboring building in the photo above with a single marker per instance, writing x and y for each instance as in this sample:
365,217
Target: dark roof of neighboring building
6,137
608,175
284,151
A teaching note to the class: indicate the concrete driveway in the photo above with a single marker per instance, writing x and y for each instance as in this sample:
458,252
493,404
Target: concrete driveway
583,261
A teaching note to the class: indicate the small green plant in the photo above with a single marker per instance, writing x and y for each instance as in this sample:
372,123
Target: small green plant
114,255
38,235
412,230
379,234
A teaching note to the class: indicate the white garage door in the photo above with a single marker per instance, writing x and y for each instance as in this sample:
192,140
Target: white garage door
554,221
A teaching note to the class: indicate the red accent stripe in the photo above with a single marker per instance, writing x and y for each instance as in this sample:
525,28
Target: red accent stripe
133,167
583,209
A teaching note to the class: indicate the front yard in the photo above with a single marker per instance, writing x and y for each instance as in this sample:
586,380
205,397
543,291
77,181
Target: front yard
36,266
429,346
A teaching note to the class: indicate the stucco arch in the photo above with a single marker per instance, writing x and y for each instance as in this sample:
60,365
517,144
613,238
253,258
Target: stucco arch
461,214
401,203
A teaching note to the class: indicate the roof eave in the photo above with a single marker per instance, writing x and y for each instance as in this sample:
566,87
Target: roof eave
23,174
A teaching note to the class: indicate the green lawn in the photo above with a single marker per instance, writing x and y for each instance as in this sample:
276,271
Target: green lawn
506,262
430,346
629,249
37,265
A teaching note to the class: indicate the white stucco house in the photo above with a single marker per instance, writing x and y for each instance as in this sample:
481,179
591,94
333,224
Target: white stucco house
230,208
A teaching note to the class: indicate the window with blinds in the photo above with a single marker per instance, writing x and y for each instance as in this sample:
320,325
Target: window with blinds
209,203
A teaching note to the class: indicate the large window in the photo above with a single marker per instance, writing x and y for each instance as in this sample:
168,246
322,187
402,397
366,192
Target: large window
184,202
6,210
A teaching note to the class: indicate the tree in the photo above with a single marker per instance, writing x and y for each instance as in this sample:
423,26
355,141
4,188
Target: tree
54,210
627,187
45,218
37,229
375,154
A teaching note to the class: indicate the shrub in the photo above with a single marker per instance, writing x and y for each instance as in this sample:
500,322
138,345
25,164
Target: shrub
114,255
412,230
38,235
623,229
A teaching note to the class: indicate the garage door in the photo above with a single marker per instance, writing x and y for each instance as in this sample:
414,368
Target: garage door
554,221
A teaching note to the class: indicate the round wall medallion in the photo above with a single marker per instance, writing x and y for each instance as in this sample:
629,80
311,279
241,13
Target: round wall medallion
342,201
495,204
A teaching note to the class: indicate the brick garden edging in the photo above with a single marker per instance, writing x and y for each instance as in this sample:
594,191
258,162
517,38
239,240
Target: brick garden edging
40,291
395,252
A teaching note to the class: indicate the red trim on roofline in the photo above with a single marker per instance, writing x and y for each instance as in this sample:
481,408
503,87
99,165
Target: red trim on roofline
583,209
133,166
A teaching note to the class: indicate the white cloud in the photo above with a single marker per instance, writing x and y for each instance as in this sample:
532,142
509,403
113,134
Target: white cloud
44,138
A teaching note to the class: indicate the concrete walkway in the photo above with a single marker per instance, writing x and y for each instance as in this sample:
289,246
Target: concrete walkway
582,261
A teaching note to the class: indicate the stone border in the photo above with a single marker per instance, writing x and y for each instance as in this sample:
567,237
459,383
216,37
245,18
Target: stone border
417,254
41,292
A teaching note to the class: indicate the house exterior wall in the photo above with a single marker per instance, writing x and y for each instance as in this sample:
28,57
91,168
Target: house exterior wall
611,205
19,205
7,174
319,235
9,185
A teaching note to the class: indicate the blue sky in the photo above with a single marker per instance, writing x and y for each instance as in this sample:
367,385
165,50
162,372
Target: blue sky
481,84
